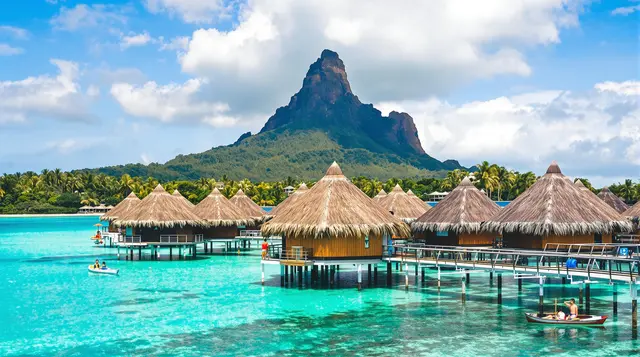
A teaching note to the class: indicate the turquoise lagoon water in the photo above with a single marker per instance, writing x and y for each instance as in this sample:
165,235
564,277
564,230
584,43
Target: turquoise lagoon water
51,306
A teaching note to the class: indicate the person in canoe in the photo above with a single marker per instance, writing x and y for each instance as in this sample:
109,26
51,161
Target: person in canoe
104,265
96,265
573,308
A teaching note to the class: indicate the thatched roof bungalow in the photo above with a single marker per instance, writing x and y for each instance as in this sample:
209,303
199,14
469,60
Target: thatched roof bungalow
302,189
177,194
612,200
457,219
121,208
222,216
380,196
248,208
554,210
633,212
160,215
335,220
402,205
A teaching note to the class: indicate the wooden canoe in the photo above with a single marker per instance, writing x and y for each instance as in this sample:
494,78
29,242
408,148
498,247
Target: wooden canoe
581,320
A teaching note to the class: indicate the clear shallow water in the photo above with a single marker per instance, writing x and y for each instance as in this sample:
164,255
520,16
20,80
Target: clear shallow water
51,306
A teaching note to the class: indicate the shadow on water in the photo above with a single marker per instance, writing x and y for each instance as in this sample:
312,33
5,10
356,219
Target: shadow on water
133,302
55,259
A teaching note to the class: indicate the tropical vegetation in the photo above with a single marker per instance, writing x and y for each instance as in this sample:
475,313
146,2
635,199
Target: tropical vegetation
55,191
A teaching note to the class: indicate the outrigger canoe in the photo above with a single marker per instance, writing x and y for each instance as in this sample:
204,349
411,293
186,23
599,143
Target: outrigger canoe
580,320
103,271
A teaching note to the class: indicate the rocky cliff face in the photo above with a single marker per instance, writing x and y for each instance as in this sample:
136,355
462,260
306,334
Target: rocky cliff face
326,102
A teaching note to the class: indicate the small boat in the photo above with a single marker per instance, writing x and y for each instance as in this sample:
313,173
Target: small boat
580,320
103,270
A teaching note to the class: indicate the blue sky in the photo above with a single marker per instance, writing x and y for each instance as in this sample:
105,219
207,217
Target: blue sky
86,84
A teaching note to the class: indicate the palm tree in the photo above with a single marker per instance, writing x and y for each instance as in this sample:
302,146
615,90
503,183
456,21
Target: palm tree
627,190
487,176
506,180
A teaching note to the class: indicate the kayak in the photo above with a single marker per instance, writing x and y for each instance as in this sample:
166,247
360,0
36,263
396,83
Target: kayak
581,320
103,271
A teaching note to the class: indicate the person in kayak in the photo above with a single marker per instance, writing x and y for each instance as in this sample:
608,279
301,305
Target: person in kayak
104,265
573,308
96,265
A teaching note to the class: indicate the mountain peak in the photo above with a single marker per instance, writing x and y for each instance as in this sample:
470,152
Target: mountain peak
327,77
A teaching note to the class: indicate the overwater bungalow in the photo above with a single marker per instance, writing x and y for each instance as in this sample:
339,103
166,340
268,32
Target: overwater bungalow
246,205
403,206
222,217
594,198
333,221
121,209
290,200
457,219
161,219
380,195
554,210
612,200
417,199
633,212
177,194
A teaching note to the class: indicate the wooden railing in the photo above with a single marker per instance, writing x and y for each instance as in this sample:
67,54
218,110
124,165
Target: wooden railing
131,239
302,255
250,233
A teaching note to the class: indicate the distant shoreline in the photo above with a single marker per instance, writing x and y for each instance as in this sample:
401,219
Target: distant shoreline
28,215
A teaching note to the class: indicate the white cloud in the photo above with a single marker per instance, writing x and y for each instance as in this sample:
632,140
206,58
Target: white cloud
6,50
85,16
624,11
175,44
172,103
590,134
67,146
192,11
393,51
631,88
93,91
16,32
44,96
132,40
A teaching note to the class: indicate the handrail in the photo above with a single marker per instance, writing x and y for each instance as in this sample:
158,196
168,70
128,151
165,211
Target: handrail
132,239
174,238
295,255
251,233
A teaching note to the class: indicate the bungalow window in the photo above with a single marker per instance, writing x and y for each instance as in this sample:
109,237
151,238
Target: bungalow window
366,242
442,233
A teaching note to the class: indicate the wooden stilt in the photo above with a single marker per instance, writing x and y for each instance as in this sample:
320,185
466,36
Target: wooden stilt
369,273
262,272
615,299
464,289
580,293
541,297
170,253
360,276
389,273
587,293
634,308
499,288
519,284
375,274
406,276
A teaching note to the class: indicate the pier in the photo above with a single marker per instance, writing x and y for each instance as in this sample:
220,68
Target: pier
614,264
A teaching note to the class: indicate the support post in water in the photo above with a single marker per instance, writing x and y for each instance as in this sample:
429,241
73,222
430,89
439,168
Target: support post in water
634,307
468,278
587,293
375,274
580,293
360,275
369,273
615,299
464,289
541,297
262,271
499,288
406,276
438,278
388,273
519,284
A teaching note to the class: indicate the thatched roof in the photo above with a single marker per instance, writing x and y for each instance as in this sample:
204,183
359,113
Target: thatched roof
334,207
121,208
612,200
402,205
418,199
594,198
217,210
177,193
634,211
160,209
247,206
462,211
554,205
290,200
380,195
